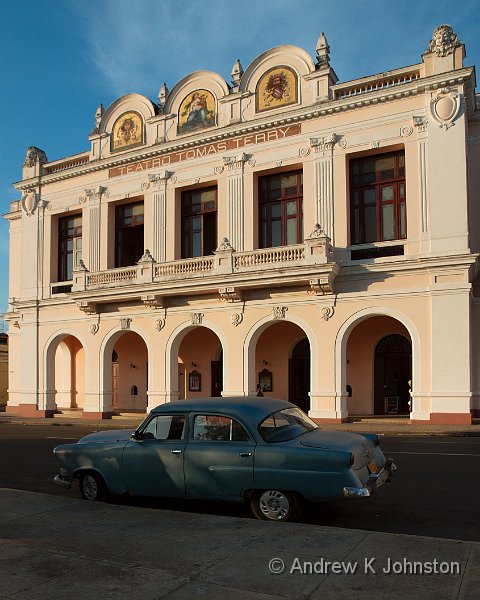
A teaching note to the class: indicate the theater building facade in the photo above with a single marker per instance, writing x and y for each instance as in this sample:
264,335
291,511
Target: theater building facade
284,232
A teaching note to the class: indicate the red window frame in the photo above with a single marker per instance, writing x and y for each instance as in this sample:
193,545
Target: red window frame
275,204
375,192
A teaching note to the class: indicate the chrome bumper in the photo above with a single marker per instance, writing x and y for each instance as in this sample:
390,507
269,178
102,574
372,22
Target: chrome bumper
59,480
374,481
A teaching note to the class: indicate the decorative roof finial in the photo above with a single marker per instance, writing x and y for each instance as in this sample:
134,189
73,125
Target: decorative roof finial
162,96
443,42
33,155
237,72
98,115
323,52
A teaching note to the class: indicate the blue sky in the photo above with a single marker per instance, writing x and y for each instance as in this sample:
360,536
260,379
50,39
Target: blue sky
61,58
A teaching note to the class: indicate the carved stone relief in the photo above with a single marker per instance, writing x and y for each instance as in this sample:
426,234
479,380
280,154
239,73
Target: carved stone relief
443,42
445,106
279,312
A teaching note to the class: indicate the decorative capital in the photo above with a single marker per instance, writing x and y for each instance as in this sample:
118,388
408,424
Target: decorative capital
279,312
229,294
421,123
443,42
324,143
95,193
196,318
159,178
125,323
94,327
235,162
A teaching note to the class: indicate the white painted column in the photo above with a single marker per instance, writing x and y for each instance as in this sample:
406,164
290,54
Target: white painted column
159,214
94,196
323,162
235,166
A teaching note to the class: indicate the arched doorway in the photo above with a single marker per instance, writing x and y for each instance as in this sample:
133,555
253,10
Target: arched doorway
299,375
372,378
200,364
393,374
128,367
282,363
66,372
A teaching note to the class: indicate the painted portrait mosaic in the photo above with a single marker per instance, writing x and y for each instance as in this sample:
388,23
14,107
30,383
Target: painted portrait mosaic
277,87
196,111
127,131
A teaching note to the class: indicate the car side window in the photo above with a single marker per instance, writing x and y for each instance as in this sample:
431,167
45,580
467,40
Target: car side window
216,428
165,427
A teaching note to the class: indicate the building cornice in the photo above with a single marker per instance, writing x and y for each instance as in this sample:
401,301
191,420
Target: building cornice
295,115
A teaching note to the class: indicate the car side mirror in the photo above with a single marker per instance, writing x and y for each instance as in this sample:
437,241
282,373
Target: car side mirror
137,435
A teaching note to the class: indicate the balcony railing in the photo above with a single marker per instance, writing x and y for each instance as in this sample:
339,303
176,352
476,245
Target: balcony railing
225,261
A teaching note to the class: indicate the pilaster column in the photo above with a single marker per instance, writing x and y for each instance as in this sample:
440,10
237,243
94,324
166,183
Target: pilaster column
159,214
421,124
323,162
235,166
94,196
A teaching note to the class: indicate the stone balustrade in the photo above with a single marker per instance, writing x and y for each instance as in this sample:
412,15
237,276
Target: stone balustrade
314,251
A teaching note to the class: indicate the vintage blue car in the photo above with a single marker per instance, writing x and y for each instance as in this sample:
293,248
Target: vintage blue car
263,450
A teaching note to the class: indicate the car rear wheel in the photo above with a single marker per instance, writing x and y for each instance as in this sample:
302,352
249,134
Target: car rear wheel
92,487
274,505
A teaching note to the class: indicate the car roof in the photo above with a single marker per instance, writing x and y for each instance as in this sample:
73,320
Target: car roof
252,409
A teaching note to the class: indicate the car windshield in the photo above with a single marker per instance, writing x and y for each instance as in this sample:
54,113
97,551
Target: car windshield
285,425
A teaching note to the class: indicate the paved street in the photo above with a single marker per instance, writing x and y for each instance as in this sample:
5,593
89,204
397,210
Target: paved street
435,491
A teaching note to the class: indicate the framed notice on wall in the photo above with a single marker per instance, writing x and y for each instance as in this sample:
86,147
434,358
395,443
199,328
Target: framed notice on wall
265,380
195,381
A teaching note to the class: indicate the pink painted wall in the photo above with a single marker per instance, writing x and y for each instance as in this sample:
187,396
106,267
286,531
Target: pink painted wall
360,355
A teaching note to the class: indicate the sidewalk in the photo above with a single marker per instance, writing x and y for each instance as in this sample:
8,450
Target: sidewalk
381,425
55,548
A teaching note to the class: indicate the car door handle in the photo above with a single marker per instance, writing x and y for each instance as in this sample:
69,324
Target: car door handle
176,451
245,454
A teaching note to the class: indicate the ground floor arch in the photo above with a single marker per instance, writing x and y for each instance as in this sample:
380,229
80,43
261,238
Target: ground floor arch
378,367
125,373
64,373
200,363
282,362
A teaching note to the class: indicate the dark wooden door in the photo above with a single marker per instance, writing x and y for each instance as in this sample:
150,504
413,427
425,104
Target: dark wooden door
115,375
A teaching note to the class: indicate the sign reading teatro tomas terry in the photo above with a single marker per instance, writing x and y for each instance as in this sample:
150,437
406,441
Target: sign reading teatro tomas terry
207,150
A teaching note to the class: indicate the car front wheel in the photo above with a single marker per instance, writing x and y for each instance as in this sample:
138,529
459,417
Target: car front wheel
92,487
274,505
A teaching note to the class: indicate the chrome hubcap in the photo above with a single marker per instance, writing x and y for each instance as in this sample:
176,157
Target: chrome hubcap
274,505
89,486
